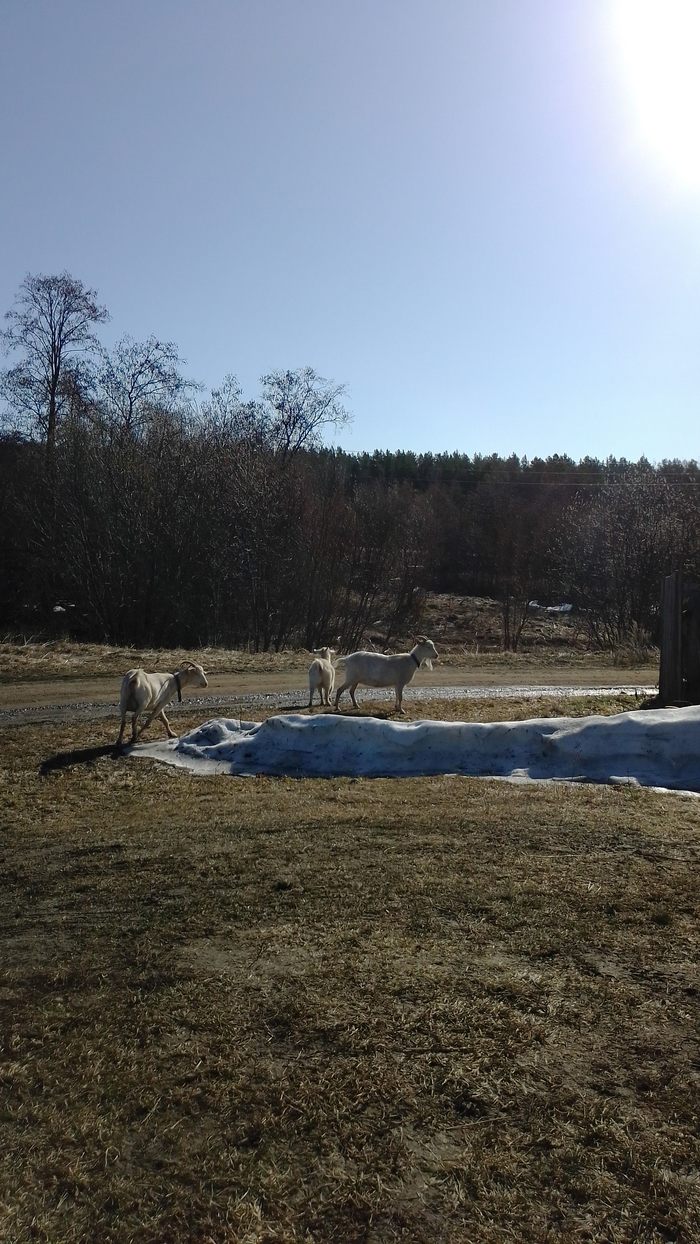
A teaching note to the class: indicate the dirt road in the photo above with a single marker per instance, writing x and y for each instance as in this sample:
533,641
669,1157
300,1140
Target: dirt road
91,698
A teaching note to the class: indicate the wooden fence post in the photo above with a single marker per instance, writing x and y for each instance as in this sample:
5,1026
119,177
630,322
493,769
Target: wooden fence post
671,662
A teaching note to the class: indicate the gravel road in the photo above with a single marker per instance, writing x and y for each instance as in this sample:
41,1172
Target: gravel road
88,710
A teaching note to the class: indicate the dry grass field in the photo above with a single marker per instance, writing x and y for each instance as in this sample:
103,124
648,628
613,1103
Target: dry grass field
64,659
270,1011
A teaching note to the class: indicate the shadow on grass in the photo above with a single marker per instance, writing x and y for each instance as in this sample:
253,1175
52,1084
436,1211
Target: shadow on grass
318,711
379,714
315,711
80,756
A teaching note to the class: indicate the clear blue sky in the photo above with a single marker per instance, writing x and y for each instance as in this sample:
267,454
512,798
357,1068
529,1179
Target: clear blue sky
450,206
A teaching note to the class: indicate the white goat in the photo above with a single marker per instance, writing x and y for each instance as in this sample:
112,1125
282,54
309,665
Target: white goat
149,694
321,677
374,669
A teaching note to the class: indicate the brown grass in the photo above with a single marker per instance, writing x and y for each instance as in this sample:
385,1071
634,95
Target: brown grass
273,1010
61,659
65,659
486,708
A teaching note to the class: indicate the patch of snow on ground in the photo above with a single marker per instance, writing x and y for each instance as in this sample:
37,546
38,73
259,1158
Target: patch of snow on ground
658,747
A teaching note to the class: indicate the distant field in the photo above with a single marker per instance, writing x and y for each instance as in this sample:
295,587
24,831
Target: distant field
267,1010
63,659
60,661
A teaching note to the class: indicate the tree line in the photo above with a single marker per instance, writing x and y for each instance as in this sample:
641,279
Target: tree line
134,509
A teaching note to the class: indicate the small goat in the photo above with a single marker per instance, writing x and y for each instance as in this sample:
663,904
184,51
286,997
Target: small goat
321,677
375,669
149,694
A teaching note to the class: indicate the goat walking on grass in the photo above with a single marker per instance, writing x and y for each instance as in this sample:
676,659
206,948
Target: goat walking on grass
149,694
321,677
375,669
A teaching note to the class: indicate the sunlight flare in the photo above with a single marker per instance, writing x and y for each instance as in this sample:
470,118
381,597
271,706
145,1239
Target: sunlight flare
658,44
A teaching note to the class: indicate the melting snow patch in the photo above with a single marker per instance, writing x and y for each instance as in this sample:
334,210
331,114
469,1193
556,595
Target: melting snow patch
659,747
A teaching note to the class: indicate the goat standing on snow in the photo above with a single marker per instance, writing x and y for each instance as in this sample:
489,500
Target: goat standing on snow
374,669
149,693
321,677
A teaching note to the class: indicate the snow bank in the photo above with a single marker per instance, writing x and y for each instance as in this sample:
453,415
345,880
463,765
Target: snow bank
659,747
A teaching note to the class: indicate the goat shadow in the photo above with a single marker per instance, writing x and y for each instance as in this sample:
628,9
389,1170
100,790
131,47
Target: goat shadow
79,756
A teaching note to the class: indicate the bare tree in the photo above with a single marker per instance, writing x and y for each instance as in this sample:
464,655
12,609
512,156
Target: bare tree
139,377
298,405
511,528
52,326
616,544
227,415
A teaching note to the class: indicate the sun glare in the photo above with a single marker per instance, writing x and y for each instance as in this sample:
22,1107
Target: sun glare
658,43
